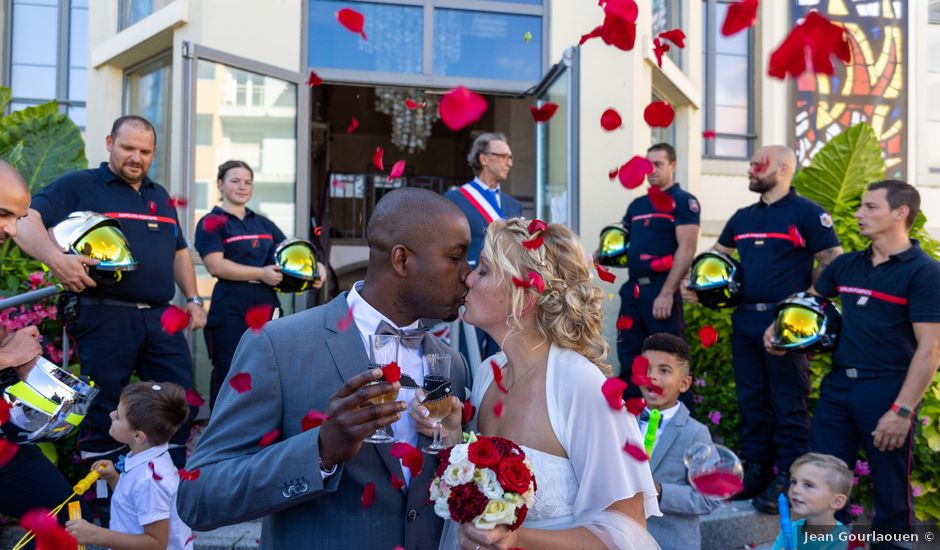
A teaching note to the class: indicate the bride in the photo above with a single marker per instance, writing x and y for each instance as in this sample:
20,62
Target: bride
591,494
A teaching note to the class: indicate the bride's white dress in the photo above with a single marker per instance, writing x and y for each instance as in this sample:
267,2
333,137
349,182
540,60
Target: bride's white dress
575,491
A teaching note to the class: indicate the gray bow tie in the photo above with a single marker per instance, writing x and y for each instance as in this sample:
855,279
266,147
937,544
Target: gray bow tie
410,338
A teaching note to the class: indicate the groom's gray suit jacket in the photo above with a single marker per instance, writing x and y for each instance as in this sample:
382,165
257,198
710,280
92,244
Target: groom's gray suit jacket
296,364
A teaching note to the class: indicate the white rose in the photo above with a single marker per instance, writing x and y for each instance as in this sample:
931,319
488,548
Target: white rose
442,509
459,453
438,489
487,483
497,512
514,498
458,474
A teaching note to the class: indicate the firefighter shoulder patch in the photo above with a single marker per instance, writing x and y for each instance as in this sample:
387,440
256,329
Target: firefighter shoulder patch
825,219
693,205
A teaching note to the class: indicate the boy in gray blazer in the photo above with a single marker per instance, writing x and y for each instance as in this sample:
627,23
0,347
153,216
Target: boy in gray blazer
675,432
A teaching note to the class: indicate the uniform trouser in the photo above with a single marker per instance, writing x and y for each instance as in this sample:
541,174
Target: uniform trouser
222,338
113,341
31,481
846,414
771,392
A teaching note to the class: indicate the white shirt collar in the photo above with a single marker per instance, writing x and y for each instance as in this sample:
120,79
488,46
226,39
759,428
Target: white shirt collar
367,318
666,416
485,186
133,460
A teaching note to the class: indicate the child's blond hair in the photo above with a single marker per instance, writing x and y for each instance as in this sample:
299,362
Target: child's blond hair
836,472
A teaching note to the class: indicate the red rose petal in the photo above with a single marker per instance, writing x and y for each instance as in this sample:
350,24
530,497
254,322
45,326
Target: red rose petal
740,16
4,412
619,28
636,291
498,409
269,437
312,419
397,483
353,125
190,539
661,265
659,49
397,170
498,376
707,336
544,112
241,382
213,222
343,324
377,159
194,399
353,21
460,107
659,114
537,225
610,120
7,450
613,392
613,173
676,36
186,475
604,274
635,405
796,237
661,201
634,172
410,457
153,207
467,412
536,281
49,534
174,319
368,495
410,104
709,134
816,37
313,79
178,202
533,243
640,371
624,322
258,316
718,484
636,452
318,230
391,372
153,472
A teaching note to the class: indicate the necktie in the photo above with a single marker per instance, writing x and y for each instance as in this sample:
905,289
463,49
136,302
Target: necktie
650,439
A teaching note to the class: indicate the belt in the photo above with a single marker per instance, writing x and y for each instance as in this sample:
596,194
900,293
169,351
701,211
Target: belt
90,301
643,281
766,306
864,374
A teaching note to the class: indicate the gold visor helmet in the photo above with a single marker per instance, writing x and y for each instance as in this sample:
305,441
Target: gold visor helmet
716,278
298,261
806,323
615,243
97,237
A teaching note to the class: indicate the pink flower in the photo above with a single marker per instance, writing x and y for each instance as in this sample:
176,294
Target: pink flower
925,421
36,278
698,399
862,468
699,382
856,510
854,481
714,417
916,490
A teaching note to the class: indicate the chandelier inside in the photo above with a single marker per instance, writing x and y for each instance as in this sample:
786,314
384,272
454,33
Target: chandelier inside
413,113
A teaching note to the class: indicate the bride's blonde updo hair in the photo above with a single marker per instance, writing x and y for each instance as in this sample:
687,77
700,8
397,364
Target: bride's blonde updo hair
569,311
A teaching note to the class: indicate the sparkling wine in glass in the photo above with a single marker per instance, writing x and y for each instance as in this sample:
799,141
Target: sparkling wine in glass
383,350
437,395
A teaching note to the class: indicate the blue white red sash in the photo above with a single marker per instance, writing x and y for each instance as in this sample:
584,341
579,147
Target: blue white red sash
482,201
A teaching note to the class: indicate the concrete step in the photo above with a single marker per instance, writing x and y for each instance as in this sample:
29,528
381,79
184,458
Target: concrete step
735,525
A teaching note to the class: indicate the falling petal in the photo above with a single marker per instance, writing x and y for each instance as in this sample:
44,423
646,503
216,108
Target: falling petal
7,451
661,201
410,104
610,120
313,79
4,412
153,472
186,475
410,457
460,107
624,322
174,319
709,134
604,274
213,222
318,230
241,382
153,207
816,37
707,336
498,376
740,16
397,170
377,159
662,265
659,49
258,316
635,405
636,291
194,399
613,392
353,125
634,172
544,112
343,324
498,409
640,371
312,419
353,21
397,483
636,452
613,173
49,534
676,36
467,412
178,202
796,237
659,114
269,437
391,372
368,495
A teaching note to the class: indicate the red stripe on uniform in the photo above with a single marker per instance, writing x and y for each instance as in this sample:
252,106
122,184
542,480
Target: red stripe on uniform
744,236
139,217
473,202
873,293
237,238
669,217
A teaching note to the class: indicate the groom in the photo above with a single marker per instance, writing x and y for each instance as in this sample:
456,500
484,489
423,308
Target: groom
255,460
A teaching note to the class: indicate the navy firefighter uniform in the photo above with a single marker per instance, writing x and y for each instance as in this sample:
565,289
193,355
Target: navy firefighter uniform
118,327
777,243
652,237
877,343
248,241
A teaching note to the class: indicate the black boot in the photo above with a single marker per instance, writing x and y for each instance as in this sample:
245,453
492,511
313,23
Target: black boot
756,478
766,502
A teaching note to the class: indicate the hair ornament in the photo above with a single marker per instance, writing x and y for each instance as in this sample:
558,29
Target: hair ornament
156,387
536,229
535,281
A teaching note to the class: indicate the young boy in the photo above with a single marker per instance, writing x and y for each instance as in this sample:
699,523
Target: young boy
819,487
675,432
143,506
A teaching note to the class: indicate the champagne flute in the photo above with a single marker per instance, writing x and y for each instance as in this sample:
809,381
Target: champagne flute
437,395
383,350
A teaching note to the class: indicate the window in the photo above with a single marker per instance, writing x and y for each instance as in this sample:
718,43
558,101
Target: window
54,67
933,88
132,11
147,94
729,86
667,15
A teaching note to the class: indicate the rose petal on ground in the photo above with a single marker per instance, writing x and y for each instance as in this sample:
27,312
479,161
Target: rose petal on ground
634,172
707,336
241,382
258,316
610,120
174,319
312,419
460,107
544,112
613,392
659,114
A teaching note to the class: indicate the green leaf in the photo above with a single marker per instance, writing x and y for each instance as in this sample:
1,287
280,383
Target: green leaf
5,96
51,143
839,171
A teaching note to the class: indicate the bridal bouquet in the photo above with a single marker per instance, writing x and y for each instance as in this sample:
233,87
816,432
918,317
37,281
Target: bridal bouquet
486,480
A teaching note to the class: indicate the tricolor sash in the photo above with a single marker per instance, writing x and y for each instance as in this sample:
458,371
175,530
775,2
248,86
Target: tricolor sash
482,201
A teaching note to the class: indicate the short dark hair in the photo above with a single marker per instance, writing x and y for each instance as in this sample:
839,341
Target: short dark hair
133,120
157,409
671,344
669,150
900,193
230,164
482,145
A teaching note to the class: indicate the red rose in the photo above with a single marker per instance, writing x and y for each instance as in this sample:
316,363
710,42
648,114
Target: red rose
483,453
466,502
520,517
513,475
506,447
443,460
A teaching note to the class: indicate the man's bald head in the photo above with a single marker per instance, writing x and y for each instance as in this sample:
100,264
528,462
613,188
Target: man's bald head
780,156
771,165
14,200
408,216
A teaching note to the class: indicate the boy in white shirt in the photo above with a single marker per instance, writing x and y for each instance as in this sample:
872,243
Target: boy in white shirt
143,506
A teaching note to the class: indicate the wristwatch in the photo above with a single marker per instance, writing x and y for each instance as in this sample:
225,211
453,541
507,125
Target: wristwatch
901,410
195,300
